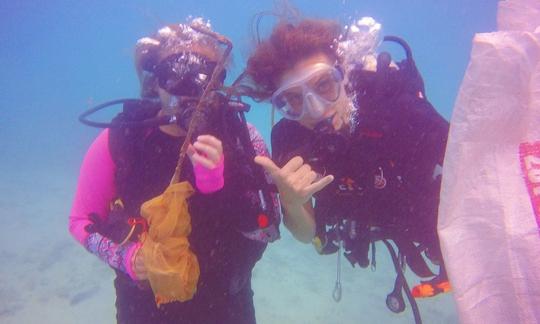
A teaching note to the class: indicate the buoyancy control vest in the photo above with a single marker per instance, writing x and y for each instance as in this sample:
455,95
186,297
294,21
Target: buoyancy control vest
145,160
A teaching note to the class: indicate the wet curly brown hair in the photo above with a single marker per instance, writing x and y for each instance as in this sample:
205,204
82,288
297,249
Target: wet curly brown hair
288,44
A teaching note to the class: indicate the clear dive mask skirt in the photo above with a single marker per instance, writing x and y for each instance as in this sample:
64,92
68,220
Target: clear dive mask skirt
311,93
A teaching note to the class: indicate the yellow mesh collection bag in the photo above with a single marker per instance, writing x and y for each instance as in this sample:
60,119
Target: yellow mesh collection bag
172,268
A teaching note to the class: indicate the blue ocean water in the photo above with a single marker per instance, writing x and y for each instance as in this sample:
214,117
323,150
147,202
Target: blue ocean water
60,57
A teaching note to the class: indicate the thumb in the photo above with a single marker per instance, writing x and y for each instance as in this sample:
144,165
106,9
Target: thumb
90,228
191,152
94,218
266,163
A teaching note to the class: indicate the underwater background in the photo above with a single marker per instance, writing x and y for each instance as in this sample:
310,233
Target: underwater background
59,58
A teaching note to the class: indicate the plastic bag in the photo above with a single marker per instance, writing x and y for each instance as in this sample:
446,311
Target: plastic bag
489,214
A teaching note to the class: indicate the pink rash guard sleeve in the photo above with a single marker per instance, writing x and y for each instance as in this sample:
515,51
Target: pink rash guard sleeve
209,180
95,191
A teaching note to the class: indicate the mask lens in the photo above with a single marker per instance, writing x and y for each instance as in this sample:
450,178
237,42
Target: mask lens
323,83
326,84
184,74
290,102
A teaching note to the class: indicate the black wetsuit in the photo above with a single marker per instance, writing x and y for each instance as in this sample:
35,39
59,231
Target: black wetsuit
146,159
385,171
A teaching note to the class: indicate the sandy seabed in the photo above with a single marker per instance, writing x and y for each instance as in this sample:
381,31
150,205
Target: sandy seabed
47,277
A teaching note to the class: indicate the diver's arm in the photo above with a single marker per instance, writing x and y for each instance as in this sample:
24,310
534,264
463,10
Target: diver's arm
95,187
95,191
296,183
300,221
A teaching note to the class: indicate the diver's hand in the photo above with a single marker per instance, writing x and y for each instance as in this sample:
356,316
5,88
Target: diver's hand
115,227
296,181
138,266
206,155
206,151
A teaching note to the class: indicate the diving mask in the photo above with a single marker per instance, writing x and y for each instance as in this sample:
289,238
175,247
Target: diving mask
310,93
185,74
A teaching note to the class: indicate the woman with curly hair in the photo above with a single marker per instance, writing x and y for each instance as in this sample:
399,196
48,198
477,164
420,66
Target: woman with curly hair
358,153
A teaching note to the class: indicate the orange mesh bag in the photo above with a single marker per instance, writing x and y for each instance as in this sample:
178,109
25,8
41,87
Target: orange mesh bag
172,268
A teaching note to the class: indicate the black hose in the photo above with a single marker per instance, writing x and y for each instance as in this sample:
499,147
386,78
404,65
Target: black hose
409,63
412,301
83,117
149,122
403,43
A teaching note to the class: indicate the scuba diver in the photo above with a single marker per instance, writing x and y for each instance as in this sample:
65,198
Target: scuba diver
357,156
233,214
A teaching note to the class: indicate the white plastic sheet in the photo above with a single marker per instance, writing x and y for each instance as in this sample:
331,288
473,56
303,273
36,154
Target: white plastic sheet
489,214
